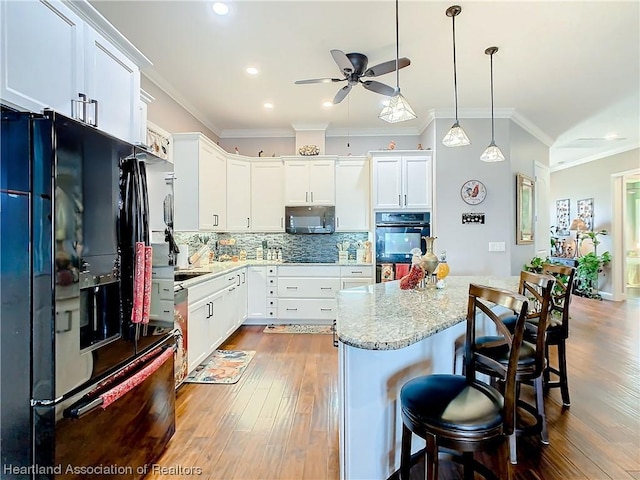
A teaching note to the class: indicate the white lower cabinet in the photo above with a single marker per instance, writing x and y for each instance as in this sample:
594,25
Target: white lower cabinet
257,293
356,276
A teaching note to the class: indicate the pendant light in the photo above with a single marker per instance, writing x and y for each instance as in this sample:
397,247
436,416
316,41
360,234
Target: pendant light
455,137
493,152
398,109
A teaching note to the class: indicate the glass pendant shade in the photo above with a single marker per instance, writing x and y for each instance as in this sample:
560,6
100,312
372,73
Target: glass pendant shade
397,110
456,137
492,154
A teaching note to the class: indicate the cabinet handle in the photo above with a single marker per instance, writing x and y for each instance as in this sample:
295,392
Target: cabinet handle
326,288
244,277
405,200
337,221
399,200
281,222
335,336
238,280
248,224
311,197
356,271
215,219
326,309
293,309
306,197
231,289
95,112
292,288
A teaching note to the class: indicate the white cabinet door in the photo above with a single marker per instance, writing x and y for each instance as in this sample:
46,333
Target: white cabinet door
198,332
352,195
355,282
417,182
322,182
200,194
113,80
238,195
216,331
257,292
243,290
267,196
387,182
309,182
401,182
42,55
296,183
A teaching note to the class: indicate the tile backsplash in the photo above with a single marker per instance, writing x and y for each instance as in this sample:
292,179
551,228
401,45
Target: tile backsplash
295,248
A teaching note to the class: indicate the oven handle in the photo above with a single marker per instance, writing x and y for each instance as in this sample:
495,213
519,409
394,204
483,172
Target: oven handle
407,225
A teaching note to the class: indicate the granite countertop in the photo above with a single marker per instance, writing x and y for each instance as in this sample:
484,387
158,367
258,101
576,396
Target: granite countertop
384,317
215,269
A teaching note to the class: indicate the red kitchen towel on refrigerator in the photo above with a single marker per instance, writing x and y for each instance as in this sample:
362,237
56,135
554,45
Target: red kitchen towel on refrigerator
148,270
402,269
138,284
118,391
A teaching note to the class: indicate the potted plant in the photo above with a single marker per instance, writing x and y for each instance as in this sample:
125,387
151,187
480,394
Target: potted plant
590,266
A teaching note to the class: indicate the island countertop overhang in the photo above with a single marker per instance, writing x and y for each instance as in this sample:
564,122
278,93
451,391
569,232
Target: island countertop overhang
384,317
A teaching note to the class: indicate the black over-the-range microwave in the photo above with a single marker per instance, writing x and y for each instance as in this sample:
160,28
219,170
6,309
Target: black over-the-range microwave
306,219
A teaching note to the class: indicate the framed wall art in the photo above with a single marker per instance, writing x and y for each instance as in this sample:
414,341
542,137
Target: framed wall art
525,204
563,217
585,212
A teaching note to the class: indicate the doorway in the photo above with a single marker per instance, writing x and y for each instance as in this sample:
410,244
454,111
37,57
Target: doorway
626,232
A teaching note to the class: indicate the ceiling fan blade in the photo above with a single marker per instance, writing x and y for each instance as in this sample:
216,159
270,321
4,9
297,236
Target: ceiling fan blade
378,87
341,94
386,67
343,61
319,80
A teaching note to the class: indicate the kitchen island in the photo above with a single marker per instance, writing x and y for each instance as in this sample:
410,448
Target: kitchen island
386,337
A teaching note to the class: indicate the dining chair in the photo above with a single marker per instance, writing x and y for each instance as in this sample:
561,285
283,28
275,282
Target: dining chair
460,412
538,289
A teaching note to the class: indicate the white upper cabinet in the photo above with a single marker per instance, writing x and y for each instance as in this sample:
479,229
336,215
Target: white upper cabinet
267,196
42,55
310,181
402,181
352,194
238,195
52,54
200,183
113,81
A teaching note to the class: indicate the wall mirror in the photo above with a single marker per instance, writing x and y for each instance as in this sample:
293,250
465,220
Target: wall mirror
525,202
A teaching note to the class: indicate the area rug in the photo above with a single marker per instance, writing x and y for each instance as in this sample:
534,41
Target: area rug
321,329
222,366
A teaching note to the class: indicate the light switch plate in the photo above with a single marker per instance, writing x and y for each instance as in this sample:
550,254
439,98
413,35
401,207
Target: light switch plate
497,246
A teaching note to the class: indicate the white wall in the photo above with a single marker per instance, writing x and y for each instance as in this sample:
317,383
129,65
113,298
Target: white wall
593,180
169,115
252,146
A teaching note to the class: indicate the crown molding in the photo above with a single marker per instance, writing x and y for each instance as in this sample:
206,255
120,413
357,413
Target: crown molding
596,156
309,127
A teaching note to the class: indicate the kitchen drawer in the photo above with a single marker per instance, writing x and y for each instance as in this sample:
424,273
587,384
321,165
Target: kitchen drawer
162,289
272,291
272,271
307,309
356,271
272,313
161,310
308,287
309,271
272,281
214,285
272,302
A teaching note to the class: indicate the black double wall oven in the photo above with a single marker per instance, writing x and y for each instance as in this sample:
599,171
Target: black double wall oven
397,233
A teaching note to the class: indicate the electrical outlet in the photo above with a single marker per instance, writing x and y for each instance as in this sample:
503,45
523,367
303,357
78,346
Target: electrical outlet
497,246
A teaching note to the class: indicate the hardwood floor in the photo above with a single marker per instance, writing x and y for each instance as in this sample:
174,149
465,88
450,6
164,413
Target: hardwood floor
280,420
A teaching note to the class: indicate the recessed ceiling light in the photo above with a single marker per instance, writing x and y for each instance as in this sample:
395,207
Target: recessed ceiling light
220,8
268,105
252,70
327,104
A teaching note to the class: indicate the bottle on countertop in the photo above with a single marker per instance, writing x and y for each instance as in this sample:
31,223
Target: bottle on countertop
269,254
279,254
259,253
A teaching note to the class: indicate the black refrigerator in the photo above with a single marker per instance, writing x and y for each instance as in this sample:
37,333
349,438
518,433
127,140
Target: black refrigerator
86,389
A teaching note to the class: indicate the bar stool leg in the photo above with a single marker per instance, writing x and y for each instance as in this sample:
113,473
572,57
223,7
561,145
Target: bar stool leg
564,382
431,460
405,453
539,388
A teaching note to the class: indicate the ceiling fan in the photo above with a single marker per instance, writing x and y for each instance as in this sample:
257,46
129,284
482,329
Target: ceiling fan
354,66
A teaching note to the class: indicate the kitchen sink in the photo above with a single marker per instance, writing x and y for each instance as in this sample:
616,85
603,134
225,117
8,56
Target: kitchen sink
183,276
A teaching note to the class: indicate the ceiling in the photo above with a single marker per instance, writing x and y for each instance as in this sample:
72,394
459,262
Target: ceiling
568,72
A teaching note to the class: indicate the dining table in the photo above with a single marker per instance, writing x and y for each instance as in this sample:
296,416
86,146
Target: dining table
385,337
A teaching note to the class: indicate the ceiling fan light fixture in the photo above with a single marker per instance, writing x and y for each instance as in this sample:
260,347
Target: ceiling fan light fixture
492,153
456,136
397,110
220,8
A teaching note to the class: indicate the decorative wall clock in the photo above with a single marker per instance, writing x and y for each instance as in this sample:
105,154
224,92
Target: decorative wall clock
473,192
